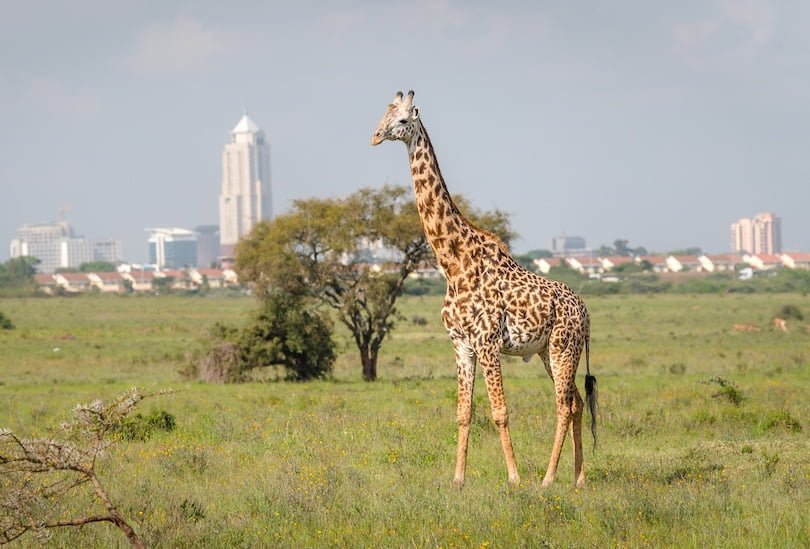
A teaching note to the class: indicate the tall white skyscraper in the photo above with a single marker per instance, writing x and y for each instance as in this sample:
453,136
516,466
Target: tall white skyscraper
245,197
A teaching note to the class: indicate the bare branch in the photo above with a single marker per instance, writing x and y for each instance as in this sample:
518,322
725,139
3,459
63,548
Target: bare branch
34,473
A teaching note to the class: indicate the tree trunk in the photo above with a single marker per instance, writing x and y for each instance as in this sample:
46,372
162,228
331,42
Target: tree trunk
369,360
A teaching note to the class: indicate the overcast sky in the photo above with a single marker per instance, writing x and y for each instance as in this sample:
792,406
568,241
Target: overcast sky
656,122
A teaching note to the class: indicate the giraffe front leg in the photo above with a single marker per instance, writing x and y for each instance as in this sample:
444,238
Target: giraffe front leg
465,371
491,367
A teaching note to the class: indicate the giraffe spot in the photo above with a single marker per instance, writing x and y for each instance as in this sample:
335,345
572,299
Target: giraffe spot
453,247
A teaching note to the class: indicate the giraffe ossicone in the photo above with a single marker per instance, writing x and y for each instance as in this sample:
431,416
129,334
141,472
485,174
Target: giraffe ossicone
494,306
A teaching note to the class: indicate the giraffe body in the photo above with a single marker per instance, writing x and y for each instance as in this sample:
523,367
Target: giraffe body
494,306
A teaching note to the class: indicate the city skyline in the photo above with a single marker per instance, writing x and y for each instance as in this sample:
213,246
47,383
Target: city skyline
658,124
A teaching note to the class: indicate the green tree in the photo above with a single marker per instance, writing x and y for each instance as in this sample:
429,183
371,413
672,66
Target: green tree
687,251
322,250
163,284
97,267
17,275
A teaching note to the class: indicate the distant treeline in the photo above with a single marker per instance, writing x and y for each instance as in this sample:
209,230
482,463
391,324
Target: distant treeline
776,281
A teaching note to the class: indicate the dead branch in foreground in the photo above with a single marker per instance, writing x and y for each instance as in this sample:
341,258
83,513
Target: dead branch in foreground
35,473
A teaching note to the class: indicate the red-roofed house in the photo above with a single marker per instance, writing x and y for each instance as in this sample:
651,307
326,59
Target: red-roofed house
763,261
545,264
658,262
796,260
585,265
719,262
613,261
678,263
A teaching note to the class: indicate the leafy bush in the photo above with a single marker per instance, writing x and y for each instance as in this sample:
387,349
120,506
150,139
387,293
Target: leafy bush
425,286
780,420
728,390
140,427
790,312
5,322
283,332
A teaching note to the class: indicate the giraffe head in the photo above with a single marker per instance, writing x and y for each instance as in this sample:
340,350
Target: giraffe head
399,120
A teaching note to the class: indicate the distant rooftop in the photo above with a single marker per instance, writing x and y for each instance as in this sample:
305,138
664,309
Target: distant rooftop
246,125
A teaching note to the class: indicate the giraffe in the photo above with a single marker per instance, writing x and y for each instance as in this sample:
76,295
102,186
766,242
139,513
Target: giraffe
494,306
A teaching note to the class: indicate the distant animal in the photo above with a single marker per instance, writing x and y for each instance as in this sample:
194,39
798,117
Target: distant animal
494,306
780,324
746,328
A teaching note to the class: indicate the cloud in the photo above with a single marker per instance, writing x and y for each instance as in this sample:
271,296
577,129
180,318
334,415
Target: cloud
183,46
734,33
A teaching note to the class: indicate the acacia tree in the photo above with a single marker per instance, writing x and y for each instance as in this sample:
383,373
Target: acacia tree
321,250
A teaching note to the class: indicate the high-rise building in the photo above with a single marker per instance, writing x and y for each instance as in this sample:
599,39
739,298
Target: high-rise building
761,234
563,246
245,196
172,248
57,247
207,245
110,251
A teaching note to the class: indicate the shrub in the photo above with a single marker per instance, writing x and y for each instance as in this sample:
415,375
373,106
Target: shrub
417,320
5,322
140,427
781,420
728,390
425,286
790,312
283,332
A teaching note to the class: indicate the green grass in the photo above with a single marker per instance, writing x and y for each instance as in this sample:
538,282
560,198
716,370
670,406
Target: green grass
346,463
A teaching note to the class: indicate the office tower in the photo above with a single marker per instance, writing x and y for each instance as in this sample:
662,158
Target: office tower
761,234
245,196
207,245
57,247
563,246
172,248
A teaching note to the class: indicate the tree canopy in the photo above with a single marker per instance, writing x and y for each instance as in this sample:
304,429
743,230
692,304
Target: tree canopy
17,275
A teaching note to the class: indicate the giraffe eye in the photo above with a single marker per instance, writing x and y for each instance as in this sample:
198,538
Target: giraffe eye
403,121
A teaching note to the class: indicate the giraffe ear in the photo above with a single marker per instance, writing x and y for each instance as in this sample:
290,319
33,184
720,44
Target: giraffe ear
415,113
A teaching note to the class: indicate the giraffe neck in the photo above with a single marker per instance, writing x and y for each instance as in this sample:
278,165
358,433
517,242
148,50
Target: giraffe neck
445,228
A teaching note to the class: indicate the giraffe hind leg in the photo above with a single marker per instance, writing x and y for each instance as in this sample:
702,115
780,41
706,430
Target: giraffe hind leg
569,414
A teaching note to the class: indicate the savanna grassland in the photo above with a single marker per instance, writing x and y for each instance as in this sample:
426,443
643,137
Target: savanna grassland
703,431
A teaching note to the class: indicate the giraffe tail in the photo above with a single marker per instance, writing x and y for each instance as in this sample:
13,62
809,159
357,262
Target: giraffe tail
590,389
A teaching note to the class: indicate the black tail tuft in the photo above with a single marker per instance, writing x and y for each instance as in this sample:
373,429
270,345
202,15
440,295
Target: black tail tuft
590,399
591,391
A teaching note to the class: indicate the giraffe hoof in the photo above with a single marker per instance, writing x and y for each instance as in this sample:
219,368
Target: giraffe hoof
547,482
514,481
458,483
